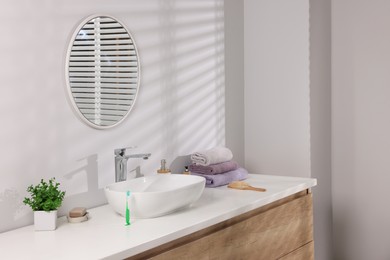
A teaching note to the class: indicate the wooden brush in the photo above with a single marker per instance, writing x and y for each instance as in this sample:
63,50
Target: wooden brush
241,185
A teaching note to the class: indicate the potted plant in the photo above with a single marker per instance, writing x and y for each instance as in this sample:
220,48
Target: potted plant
45,199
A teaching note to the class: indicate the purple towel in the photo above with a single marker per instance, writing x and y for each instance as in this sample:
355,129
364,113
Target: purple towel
215,155
224,178
214,168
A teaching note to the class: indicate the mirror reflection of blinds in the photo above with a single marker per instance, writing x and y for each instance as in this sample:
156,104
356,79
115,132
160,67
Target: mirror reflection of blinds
103,71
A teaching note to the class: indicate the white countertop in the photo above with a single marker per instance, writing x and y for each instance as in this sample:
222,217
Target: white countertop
106,236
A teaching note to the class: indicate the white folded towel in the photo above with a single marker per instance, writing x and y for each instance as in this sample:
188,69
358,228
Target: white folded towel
213,156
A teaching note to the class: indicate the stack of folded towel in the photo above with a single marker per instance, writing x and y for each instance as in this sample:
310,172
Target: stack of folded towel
217,167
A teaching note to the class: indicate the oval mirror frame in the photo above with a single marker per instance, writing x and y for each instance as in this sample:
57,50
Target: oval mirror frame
102,71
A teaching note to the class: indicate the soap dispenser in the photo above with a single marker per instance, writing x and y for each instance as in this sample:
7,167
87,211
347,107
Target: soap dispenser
163,169
186,171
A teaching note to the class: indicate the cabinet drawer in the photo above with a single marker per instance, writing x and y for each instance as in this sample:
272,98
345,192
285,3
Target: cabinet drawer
305,252
271,234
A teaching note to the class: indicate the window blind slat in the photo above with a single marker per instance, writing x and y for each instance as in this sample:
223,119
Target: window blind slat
104,69
93,117
108,75
104,106
103,85
106,112
112,63
104,52
104,96
103,58
104,91
104,80
123,102
102,47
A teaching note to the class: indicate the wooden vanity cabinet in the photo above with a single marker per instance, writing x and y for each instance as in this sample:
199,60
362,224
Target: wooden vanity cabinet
280,230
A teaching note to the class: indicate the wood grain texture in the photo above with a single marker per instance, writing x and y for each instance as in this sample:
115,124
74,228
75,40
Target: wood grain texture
305,252
269,232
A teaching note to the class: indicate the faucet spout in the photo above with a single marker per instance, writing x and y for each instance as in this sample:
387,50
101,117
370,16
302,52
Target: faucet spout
121,162
144,156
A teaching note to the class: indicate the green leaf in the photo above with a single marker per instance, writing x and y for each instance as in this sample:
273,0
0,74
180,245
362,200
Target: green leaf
45,196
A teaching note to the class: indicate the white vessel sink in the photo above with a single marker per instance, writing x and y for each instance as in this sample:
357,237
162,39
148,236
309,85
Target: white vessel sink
154,196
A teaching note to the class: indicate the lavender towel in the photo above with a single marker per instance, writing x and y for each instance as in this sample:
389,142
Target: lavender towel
212,156
224,178
214,168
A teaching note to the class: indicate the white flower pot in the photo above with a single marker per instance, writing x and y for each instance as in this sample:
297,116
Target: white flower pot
44,220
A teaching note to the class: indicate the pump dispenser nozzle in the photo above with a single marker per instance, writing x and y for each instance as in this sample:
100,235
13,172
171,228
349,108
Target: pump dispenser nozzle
163,169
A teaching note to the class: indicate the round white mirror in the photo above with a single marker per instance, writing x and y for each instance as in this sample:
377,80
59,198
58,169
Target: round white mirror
102,72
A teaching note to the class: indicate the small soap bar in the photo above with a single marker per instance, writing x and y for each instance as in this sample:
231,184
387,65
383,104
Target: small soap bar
79,219
77,212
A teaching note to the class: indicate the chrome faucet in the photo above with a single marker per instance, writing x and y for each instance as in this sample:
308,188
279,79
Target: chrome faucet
121,162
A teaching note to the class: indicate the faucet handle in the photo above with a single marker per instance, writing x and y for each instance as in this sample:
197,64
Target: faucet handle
122,151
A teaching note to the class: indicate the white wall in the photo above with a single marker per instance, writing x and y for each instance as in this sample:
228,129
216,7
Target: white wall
234,75
361,128
277,130
180,107
320,125
288,109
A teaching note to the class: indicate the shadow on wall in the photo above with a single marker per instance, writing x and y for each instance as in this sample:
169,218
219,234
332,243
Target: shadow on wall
182,92
181,97
12,209
177,165
81,184
180,107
